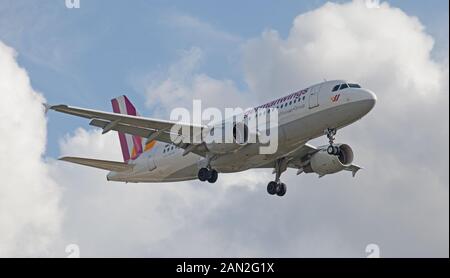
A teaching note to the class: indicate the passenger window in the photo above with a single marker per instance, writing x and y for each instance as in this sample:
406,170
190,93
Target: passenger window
335,88
290,103
343,86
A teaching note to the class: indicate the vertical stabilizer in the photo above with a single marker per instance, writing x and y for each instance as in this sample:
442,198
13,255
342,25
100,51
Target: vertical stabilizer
131,144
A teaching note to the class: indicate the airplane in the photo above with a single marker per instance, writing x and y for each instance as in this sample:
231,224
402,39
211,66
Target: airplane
151,155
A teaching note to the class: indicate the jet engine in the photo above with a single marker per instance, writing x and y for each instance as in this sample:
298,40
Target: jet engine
240,139
323,163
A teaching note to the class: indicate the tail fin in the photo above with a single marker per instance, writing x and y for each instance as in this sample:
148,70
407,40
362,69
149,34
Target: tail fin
131,144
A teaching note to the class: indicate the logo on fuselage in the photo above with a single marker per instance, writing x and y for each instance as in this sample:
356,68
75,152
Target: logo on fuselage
335,98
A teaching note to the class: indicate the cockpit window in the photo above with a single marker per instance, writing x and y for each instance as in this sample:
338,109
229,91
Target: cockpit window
343,86
354,85
335,88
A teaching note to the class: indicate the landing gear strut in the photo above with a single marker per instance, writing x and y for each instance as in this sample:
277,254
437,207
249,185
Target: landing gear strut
332,149
277,187
206,174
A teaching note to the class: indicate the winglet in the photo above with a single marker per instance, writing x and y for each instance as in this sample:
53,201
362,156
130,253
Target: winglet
46,107
53,107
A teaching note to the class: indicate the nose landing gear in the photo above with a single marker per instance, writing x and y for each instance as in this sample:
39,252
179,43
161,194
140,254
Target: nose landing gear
332,149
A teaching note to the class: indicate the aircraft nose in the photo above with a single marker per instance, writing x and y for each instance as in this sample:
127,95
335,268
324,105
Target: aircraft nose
364,103
370,98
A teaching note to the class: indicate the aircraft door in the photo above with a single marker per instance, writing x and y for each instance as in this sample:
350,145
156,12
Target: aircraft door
314,96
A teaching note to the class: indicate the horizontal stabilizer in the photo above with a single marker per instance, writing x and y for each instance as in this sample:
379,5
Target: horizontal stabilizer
101,164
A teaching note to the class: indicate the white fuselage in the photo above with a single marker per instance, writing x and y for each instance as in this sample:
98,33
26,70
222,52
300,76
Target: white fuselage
304,116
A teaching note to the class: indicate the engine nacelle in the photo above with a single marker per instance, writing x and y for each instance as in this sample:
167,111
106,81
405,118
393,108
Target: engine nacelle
240,139
323,163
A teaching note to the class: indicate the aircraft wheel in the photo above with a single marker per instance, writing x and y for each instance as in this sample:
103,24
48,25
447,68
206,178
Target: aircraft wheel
213,176
281,189
330,149
337,150
333,150
203,174
272,188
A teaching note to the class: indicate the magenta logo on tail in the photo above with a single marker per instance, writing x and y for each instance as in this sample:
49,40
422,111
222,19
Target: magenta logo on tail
131,144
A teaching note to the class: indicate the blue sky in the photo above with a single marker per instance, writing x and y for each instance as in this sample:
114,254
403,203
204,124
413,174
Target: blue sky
86,56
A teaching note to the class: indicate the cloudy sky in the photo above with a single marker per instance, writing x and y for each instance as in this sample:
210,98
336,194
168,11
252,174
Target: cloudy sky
162,54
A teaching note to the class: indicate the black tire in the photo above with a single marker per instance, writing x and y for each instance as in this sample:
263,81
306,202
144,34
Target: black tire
272,188
281,189
337,150
203,174
213,177
330,150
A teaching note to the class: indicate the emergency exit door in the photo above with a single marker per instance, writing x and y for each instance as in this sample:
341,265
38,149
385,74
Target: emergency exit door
314,96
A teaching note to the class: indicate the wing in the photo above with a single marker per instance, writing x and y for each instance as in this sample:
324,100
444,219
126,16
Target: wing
152,129
101,164
295,156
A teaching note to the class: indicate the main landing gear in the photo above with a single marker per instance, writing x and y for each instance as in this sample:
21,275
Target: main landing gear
332,149
207,174
277,187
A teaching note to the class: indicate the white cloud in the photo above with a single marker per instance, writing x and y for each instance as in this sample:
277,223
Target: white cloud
344,41
30,217
91,143
183,83
193,26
